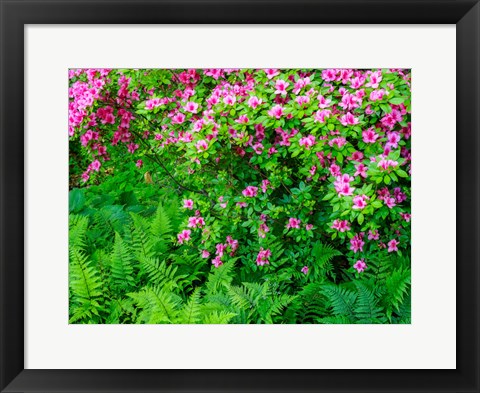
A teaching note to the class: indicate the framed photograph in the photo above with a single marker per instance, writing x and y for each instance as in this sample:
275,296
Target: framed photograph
269,196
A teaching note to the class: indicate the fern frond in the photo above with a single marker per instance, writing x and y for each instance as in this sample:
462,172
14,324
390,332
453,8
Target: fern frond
191,311
121,265
85,287
161,274
161,228
221,277
140,238
341,300
324,253
366,307
339,319
215,318
156,305
397,286
77,232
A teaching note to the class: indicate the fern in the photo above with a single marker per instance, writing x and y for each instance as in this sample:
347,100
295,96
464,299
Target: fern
222,317
397,286
341,300
323,255
367,309
160,274
191,311
77,234
160,228
121,265
310,304
139,237
85,286
156,305
221,277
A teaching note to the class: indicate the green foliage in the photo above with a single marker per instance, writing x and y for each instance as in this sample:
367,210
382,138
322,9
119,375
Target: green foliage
302,198
125,267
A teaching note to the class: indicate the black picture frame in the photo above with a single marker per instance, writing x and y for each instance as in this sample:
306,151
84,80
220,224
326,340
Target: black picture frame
15,14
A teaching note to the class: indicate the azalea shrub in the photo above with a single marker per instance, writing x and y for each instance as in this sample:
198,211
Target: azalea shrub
240,195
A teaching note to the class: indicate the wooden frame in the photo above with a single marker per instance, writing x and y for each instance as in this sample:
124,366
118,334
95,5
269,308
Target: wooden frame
15,14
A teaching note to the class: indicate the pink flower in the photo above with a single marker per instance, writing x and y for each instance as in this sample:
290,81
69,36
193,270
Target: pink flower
360,202
390,202
194,222
205,254
387,164
376,95
95,165
243,119
361,170
188,204
139,163
392,245
262,257
302,100
373,235
406,216
340,225
350,101
339,141
220,249
265,184
342,185
334,170
262,230
184,236
132,147
271,72
309,227
360,266
233,244
254,101
369,136
230,99
348,120
375,79
281,87
217,261
179,118
293,223
300,84
323,102
329,75
307,141
276,111
392,139
258,148
191,107
201,145
250,191
320,116
304,270
356,243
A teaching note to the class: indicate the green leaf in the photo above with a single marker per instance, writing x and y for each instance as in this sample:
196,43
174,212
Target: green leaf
360,218
76,200
396,100
328,196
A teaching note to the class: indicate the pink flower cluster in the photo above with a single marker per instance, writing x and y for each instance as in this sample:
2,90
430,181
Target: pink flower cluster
262,257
